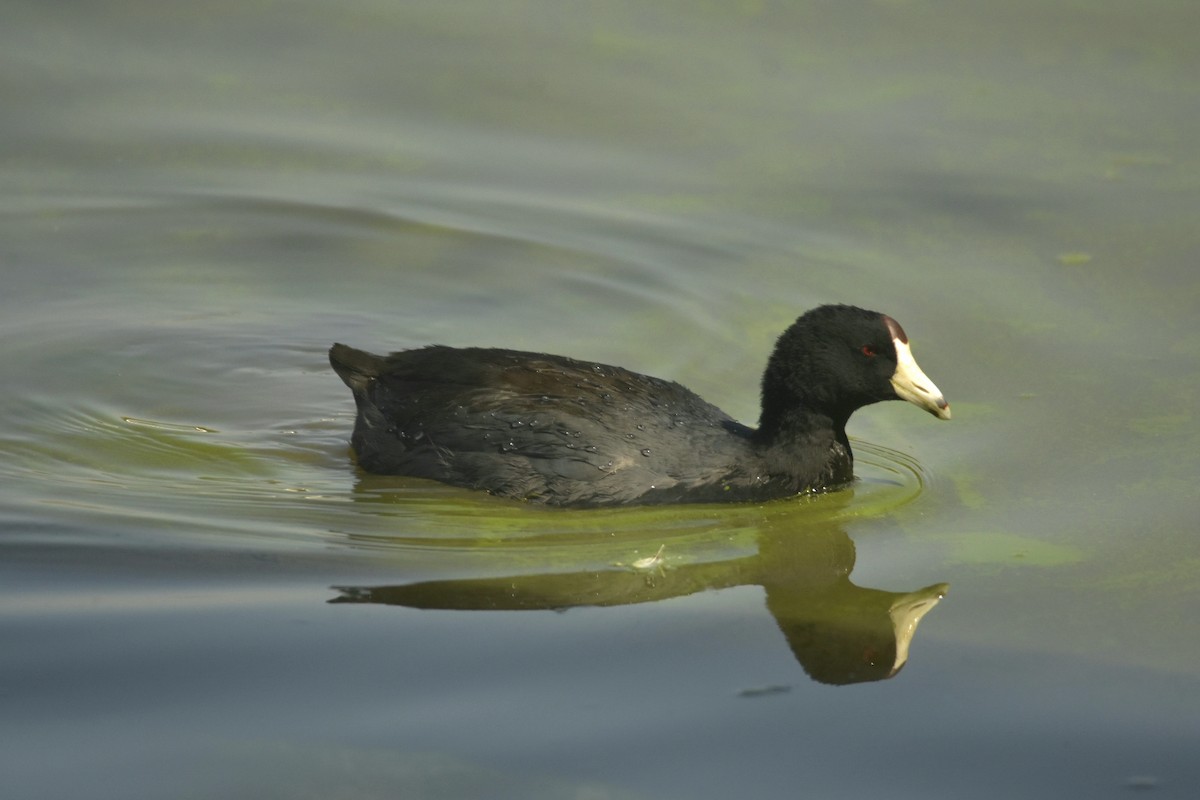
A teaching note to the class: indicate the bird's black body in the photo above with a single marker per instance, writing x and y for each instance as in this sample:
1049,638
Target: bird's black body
554,430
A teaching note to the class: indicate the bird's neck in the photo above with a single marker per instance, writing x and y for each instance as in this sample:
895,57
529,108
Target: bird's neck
796,422
799,436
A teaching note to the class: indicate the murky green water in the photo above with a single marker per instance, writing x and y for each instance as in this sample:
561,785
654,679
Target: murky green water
200,597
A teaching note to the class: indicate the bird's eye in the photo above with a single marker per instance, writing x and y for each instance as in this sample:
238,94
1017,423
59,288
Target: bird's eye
868,350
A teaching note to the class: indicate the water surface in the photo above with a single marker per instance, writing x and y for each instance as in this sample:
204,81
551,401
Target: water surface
201,597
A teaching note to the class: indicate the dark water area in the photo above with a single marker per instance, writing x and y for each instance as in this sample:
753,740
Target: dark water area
200,595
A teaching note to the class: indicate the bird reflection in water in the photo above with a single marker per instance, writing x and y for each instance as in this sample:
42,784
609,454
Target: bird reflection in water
839,632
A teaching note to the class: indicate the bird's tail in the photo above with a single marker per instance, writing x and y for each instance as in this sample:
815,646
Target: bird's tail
356,368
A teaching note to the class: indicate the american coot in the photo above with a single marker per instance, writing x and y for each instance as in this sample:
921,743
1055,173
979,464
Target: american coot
553,430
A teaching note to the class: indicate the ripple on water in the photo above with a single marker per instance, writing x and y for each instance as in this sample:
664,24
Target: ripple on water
886,477
172,429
